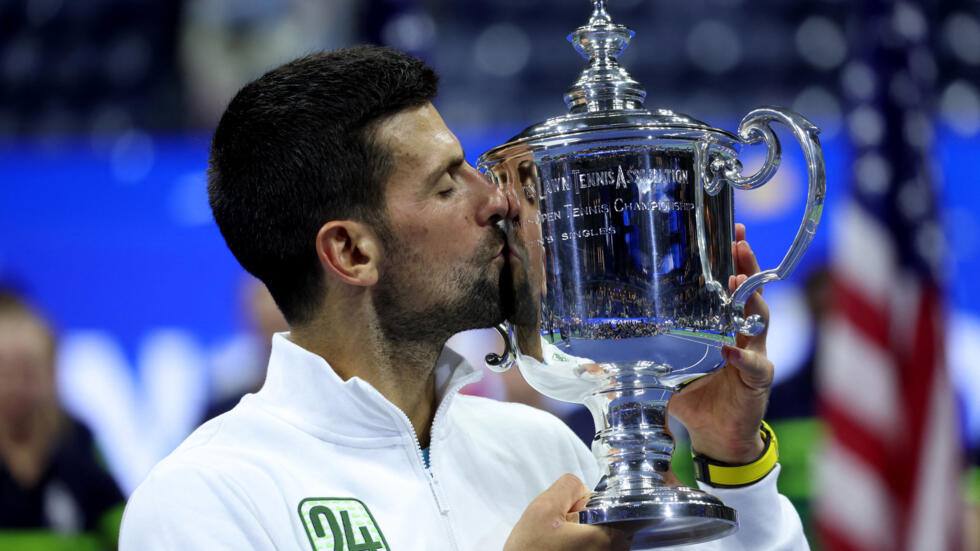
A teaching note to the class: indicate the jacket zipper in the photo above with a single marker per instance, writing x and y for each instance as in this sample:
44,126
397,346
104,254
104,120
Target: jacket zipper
430,478
430,475
418,452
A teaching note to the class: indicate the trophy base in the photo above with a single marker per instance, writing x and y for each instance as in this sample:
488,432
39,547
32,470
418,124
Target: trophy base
671,516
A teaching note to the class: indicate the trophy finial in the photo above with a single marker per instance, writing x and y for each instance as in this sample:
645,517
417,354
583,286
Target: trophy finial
604,85
599,14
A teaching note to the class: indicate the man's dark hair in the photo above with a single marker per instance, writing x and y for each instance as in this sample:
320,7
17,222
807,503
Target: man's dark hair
295,149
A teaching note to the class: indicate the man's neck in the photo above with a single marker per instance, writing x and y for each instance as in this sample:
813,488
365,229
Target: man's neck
403,374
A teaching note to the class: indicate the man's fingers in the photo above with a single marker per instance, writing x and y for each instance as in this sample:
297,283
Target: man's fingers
735,280
551,522
746,264
739,232
745,258
755,369
580,504
756,304
671,479
565,493
572,514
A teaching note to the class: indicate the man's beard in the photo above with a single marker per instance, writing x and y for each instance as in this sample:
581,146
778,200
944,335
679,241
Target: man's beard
520,304
413,308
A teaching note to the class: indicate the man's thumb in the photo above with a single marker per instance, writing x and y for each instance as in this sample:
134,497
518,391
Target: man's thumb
565,493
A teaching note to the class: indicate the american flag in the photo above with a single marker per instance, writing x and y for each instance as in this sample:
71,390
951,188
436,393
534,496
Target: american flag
889,476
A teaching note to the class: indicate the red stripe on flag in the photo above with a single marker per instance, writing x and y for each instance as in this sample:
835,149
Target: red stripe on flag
919,363
858,439
867,318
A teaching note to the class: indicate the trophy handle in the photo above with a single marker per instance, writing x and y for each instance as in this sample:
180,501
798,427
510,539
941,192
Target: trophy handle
710,186
754,129
502,362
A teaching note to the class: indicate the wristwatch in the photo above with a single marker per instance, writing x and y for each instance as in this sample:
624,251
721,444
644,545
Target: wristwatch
727,475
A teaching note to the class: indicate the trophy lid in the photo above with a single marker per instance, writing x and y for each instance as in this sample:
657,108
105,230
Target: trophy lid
605,96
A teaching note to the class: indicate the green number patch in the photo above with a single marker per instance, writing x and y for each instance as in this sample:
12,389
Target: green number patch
341,524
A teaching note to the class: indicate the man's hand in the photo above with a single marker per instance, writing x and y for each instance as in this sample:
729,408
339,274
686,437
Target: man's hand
723,412
550,522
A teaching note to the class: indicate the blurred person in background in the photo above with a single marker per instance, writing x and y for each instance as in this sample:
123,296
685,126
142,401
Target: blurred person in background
240,367
54,491
225,43
971,510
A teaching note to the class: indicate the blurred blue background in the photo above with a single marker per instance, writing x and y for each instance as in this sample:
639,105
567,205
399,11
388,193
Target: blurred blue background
106,108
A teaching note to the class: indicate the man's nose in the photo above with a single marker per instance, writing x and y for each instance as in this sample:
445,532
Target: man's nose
500,201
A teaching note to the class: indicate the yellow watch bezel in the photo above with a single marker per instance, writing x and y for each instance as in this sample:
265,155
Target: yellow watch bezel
725,475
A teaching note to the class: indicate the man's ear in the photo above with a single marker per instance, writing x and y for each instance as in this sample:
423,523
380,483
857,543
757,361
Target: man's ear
350,251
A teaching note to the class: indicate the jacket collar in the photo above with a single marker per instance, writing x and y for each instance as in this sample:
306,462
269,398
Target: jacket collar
304,390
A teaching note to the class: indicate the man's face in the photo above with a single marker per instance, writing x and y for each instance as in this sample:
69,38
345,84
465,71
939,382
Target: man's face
445,260
26,366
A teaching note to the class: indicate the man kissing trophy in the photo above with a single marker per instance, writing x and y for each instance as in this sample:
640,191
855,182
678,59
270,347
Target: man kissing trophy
624,254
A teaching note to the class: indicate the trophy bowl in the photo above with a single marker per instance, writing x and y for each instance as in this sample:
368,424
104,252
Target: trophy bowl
620,259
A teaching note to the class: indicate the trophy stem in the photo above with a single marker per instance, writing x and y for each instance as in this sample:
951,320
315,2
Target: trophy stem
632,443
634,448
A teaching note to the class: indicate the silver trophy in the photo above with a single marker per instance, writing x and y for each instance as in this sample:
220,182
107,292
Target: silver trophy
621,259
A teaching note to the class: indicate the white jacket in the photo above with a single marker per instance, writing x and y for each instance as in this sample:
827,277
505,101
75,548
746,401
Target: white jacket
312,460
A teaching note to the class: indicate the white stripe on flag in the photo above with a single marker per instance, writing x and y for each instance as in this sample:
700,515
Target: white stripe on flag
864,254
853,501
857,376
935,511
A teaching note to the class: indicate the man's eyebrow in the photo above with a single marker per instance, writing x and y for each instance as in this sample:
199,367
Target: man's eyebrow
454,162
457,161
